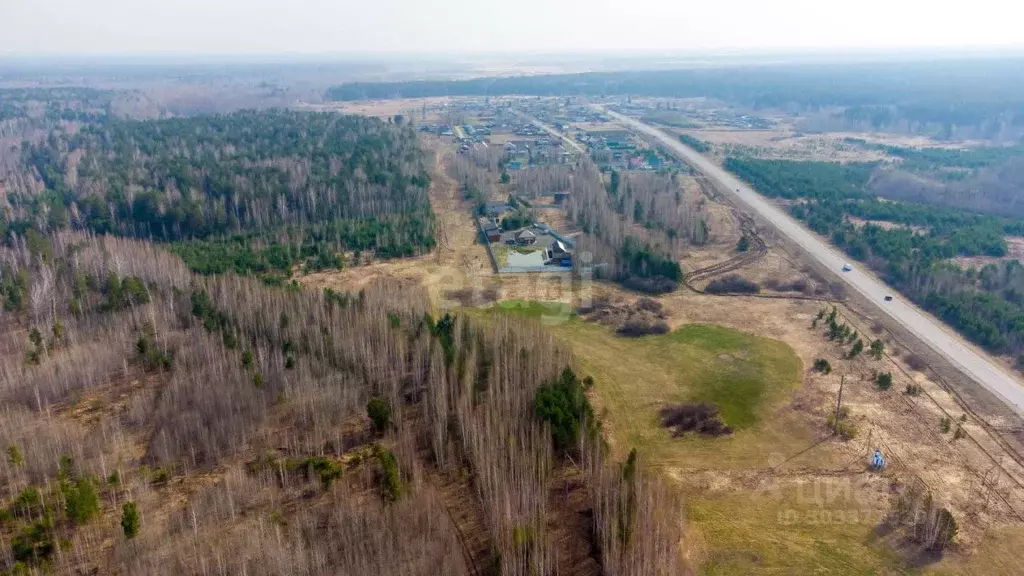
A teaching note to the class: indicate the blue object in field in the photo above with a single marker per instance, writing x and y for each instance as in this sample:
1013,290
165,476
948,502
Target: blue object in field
877,461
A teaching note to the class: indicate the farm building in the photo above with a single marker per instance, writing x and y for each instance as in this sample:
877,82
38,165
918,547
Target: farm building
491,232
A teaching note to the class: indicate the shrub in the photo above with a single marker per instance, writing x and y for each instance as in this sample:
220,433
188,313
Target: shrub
846,429
28,503
960,432
884,380
35,542
915,362
643,327
564,406
798,285
522,536
914,389
877,349
744,244
822,365
699,418
80,500
326,470
656,285
945,424
732,284
130,520
379,411
858,347
14,456
149,351
160,476
649,305
390,478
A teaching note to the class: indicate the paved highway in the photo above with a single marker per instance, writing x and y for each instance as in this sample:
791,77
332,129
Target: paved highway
971,361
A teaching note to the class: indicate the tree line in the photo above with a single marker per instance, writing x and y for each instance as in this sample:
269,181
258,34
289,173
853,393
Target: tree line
334,182
944,98
983,305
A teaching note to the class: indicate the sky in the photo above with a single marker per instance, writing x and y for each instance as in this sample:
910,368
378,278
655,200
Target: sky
253,27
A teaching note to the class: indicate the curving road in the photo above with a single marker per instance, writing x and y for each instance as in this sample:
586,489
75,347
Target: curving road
936,335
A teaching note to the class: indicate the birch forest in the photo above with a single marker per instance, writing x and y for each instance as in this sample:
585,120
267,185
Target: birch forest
170,415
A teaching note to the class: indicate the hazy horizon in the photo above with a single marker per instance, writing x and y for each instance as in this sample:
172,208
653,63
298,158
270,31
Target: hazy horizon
459,28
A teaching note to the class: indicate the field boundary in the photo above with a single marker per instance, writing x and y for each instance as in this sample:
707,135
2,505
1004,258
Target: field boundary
487,245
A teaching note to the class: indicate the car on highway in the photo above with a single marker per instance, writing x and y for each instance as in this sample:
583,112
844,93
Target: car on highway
847,267
888,297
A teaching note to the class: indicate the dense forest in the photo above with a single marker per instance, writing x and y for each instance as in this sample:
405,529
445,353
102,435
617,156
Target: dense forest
317,183
977,97
951,163
159,422
910,245
55,104
984,179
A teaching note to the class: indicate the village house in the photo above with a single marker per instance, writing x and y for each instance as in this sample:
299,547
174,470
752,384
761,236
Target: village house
559,254
525,238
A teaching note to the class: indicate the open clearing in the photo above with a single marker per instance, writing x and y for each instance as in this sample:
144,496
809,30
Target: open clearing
745,518
783,144
779,491
381,108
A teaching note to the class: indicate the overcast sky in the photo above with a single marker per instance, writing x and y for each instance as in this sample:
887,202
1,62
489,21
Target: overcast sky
474,26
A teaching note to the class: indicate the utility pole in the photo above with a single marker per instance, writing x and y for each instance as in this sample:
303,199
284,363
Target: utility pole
839,403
